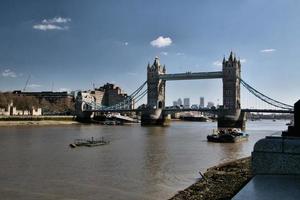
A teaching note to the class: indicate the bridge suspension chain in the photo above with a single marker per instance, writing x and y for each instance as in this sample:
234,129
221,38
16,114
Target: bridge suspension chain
134,97
138,90
265,98
139,97
121,105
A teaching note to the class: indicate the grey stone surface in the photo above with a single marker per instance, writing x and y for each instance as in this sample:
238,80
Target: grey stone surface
275,163
276,155
291,145
271,187
156,87
231,84
271,144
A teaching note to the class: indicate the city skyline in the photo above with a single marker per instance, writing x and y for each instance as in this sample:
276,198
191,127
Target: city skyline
96,42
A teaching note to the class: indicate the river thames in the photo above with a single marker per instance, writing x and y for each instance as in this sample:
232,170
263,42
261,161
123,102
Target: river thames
139,163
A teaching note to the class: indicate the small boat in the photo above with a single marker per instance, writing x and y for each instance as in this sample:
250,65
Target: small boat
227,136
89,142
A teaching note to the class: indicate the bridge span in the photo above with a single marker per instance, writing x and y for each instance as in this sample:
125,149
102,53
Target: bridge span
230,114
191,76
208,110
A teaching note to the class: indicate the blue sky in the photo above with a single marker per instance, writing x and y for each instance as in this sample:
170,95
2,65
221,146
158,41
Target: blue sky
74,43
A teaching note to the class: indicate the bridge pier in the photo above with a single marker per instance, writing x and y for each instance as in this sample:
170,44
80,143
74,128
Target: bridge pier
154,117
228,119
84,116
80,111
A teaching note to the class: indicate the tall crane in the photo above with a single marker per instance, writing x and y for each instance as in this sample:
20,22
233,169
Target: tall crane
27,81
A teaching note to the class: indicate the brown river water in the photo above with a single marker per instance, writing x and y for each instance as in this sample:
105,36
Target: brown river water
139,163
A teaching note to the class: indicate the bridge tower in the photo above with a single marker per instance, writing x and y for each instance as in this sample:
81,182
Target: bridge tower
153,113
230,115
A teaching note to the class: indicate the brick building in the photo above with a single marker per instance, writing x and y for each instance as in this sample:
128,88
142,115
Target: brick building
106,95
112,94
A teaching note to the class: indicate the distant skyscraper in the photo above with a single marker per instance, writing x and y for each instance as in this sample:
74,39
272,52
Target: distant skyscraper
186,102
201,102
175,103
179,102
210,104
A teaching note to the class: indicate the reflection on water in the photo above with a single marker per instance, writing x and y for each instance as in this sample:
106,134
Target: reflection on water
139,163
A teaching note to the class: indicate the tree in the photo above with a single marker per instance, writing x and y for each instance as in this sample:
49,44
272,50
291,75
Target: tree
3,101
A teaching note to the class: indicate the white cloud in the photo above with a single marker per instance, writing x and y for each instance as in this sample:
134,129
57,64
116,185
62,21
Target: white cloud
9,73
217,63
161,42
180,54
55,23
243,60
267,50
45,27
164,53
34,86
64,89
126,43
56,20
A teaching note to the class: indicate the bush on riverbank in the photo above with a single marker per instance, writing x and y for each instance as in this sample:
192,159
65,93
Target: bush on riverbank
220,182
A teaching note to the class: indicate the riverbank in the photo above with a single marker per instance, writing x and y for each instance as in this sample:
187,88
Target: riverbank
36,120
36,123
220,182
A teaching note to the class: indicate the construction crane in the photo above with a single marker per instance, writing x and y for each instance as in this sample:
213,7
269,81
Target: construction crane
27,81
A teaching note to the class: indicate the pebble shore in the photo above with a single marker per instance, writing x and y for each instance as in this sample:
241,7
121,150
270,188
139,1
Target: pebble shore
221,182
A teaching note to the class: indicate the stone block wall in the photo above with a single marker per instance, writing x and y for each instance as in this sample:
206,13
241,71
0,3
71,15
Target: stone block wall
276,155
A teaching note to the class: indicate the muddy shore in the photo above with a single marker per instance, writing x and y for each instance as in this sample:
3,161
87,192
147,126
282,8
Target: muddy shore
35,123
220,182
11,121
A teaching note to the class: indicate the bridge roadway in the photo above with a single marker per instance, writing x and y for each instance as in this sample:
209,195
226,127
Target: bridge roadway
190,75
190,109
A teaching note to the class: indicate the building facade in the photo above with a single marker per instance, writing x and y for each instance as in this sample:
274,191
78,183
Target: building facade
179,102
50,96
175,103
106,95
186,102
210,104
11,110
112,95
201,105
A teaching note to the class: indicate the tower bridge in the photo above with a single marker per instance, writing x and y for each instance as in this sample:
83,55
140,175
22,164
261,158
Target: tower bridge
155,112
230,116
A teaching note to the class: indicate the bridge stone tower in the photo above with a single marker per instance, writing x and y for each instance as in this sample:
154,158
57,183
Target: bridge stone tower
153,113
230,115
